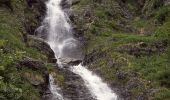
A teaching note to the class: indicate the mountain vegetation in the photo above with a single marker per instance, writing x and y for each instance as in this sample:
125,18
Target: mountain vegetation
126,42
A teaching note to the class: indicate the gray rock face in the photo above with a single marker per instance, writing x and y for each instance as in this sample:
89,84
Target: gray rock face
33,64
39,9
74,87
41,45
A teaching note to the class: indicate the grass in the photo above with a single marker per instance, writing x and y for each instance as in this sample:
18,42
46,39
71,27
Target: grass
13,86
104,37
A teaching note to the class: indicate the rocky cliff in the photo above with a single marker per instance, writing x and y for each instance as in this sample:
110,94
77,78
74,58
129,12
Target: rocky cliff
126,42
23,59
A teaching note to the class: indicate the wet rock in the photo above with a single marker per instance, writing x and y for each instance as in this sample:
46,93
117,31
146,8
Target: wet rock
40,3
74,63
75,2
32,64
66,4
42,31
38,8
42,46
69,61
74,87
31,2
121,75
91,57
47,96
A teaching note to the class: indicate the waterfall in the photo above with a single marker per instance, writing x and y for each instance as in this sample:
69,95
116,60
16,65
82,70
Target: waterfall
98,88
60,35
66,48
54,89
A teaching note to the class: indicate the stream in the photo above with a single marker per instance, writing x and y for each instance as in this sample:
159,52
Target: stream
66,48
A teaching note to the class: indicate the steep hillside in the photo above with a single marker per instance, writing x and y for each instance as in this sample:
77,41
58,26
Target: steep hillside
127,43
23,59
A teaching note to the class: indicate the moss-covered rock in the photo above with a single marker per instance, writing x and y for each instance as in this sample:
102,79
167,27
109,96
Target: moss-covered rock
21,79
127,44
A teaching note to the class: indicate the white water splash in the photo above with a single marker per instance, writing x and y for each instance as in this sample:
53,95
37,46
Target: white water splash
54,89
98,88
65,47
58,29
60,35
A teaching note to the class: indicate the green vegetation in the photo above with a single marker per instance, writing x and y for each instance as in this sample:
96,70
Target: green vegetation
130,47
136,52
14,83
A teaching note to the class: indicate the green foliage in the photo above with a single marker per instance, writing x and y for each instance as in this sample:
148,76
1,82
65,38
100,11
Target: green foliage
105,34
151,6
140,23
9,91
163,31
102,21
164,94
162,14
152,67
164,78
13,86
2,43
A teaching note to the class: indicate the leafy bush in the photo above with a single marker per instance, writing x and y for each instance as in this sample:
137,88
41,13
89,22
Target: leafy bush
164,78
162,14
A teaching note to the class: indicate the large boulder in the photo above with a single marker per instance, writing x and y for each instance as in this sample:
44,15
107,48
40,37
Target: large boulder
74,88
42,46
32,64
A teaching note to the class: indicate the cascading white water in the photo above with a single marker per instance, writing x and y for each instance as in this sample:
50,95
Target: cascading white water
98,88
60,32
54,89
65,47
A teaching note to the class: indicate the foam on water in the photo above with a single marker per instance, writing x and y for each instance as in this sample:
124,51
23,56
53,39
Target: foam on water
54,89
98,88
65,46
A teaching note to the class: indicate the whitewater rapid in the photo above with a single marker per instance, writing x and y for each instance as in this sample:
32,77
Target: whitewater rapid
98,88
54,89
65,47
